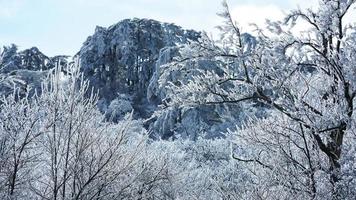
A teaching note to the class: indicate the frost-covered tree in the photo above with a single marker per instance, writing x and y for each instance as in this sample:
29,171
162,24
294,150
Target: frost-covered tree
283,156
19,133
308,78
58,145
83,156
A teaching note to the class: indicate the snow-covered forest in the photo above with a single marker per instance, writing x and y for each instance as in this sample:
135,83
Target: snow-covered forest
149,110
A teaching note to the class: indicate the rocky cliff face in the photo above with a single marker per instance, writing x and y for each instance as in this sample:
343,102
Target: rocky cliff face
121,59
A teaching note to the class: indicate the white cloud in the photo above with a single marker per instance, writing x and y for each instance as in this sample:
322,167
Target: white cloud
304,4
245,15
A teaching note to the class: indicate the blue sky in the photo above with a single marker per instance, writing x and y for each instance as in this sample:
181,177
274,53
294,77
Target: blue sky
61,26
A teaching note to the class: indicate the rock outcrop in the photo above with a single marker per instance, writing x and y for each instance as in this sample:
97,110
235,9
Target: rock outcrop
29,59
121,59
25,69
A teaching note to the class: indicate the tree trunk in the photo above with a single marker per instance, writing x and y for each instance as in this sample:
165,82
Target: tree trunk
335,147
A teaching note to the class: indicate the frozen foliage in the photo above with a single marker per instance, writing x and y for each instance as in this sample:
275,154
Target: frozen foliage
119,107
173,77
57,145
23,80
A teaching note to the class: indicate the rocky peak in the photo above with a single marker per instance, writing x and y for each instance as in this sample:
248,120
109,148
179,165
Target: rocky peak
122,57
29,59
25,69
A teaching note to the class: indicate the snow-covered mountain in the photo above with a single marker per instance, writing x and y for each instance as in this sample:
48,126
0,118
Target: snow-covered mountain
126,64
122,62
